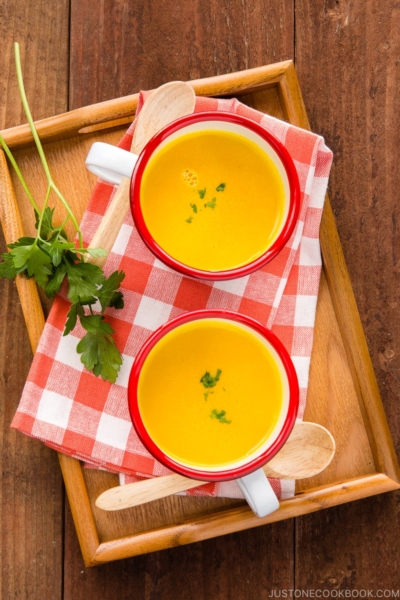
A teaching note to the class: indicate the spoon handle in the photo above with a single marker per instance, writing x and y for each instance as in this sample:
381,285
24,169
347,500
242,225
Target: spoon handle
111,223
133,494
308,450
140,492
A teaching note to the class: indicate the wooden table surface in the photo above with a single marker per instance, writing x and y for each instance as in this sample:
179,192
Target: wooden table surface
347,56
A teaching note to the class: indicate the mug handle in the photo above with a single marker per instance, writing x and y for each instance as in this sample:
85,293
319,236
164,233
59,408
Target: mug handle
258,492
110,162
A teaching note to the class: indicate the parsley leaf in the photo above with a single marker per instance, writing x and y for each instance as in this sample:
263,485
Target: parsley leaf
219,415
7,268
47,222
32,259
117,300
208,380
84,280
202,193
74,312
54,284
39,265
22,241
194,207
21,255
56,250
96,252
212,203
221,187
108,294
98,349
189,220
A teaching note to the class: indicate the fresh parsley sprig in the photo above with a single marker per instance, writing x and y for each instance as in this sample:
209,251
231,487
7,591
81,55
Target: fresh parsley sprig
50,258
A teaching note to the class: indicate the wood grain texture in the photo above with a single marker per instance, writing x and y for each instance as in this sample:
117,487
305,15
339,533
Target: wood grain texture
31,492
120,47
364,179
202,526
351,547
332,393
31,487
42,30
347,58
235,566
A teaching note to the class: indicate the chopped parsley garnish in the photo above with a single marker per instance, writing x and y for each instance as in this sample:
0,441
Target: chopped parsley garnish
212,203
208,380
202,193
219,415
221,187
194,207
206,395
189,220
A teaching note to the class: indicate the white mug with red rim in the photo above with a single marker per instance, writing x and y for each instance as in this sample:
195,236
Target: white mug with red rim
112,164
248,472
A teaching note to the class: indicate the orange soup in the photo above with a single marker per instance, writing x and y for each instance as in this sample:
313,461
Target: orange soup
213,200
211,393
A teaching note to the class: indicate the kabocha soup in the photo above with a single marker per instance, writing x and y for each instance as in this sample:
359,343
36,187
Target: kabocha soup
213,200
212,393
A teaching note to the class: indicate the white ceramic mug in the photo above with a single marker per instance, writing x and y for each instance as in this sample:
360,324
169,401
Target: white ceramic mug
247,471
112,164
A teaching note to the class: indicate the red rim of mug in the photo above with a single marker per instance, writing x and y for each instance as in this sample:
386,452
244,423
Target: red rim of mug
203,474
294,201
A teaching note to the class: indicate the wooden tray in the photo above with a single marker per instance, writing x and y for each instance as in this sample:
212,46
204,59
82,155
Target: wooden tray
343,394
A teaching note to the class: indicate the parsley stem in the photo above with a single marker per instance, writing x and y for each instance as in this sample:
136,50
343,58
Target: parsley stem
39,229
19,174
61,227
28,112
38,142
69,211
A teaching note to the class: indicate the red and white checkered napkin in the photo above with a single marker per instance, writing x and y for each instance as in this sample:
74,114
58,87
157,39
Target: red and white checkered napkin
83,416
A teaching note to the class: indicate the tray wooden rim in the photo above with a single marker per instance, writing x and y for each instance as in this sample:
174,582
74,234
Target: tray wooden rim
97,116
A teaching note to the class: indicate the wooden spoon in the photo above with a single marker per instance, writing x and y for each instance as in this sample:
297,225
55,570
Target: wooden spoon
308,451
166,104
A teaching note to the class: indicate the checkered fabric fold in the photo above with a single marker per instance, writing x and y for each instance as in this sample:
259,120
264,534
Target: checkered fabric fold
74,412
